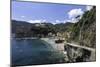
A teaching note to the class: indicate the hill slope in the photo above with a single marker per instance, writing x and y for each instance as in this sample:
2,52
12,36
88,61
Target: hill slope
84,31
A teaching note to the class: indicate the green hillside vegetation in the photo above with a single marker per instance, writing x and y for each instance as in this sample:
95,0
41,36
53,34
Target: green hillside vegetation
84,31
25,29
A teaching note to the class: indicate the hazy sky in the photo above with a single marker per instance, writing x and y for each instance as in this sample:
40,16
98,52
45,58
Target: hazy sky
50,12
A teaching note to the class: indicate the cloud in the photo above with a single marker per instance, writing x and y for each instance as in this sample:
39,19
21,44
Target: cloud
58,21
72,14
88,8
73,20
36,21
75,12
22,16
43,20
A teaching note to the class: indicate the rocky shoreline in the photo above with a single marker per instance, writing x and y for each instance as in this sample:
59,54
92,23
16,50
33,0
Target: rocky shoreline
72,54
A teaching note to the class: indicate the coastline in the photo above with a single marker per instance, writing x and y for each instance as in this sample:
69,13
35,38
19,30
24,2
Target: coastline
59,47
47,40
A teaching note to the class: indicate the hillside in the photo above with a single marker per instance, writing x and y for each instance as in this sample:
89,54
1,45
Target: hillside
25,29
15,25
84,31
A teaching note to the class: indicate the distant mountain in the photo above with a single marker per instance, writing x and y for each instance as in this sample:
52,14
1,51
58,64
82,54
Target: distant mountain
62,27
26,29
19,24
23,24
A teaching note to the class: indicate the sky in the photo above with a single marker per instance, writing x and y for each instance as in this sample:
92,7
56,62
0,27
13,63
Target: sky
34,12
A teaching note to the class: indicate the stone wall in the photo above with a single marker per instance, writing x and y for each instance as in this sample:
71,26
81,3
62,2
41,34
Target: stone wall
76,54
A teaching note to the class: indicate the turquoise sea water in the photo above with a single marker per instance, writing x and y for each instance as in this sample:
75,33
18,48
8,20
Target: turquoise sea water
33,52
